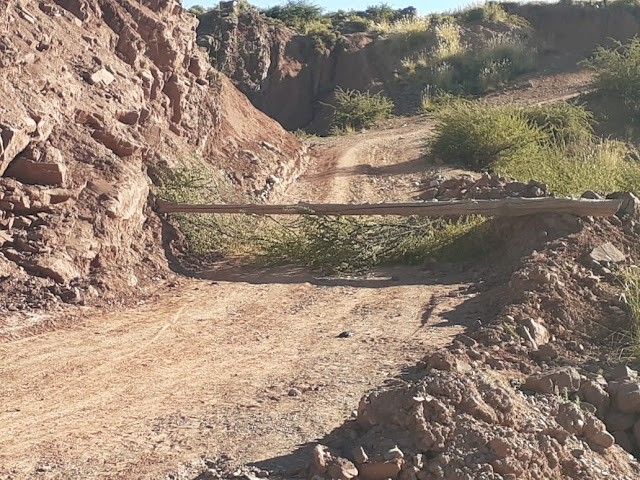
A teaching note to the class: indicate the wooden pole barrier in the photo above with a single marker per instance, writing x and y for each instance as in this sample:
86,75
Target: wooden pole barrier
508,207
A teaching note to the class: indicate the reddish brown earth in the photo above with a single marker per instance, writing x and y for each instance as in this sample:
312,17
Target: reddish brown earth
96,94
248,364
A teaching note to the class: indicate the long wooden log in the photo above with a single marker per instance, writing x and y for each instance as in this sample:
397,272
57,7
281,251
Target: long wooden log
508,207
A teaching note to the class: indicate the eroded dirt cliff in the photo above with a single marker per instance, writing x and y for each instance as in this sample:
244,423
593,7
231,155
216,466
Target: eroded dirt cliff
94,93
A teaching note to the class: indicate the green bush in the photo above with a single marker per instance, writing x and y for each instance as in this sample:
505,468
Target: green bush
617,72
322,36
629,278
204,233
598,166
198,10
563,123
382,13
482,136
433,100
491,12
354,245
296,14
451,67
479,136
356,110
355,24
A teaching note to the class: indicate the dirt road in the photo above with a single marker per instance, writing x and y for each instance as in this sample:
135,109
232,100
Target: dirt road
241,363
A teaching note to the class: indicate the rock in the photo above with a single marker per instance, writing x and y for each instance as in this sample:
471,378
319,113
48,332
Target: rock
360,456
571,418
5,238
555,381
595,432
594,394
119,145
615,221
589,407
13,141
320,458
591,195
380,471
442,360
500,447
341,469
630,204
59,268
294,392
37,173
545,352
393,453
625,394
621,371
619,421
129,118
636,432
22,222
102,76
538,332
466,340
197,67
607,253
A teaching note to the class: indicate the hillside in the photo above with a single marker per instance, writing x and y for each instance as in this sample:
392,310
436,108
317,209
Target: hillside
103,93
291,76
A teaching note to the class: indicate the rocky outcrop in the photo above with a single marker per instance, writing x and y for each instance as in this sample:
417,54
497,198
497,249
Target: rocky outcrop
283,73
97,92
286,75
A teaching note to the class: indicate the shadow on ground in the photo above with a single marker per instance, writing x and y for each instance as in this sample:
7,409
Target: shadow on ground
441,274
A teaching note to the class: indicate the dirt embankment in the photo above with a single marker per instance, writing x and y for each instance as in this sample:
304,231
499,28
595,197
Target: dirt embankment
95,92
290,79
283,73
578,29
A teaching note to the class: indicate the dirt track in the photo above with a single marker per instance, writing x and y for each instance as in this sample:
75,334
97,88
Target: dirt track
208,368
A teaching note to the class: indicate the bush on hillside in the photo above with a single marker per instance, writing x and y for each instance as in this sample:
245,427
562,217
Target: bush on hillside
598,166
349,22
296,14
478,136
406,33
491,12
355,110
453,68
198,10
617,72
563,123
383,13
323,37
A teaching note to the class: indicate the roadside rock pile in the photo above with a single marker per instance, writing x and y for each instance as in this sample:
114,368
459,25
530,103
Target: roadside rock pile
461,423
487,187
506,399
97,92
615,401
